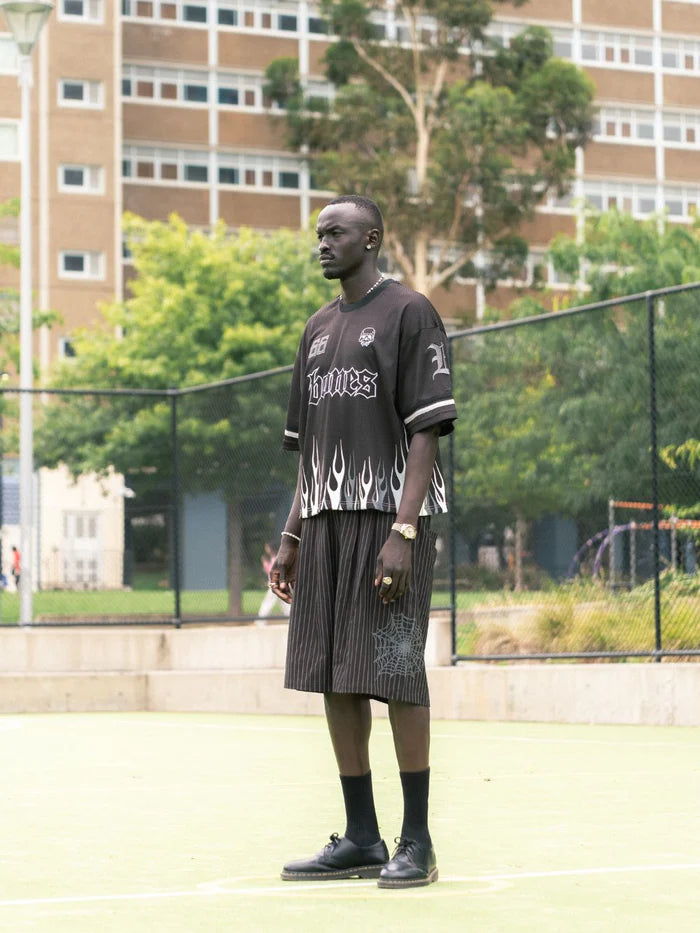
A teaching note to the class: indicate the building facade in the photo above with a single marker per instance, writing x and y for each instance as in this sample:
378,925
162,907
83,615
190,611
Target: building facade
155,106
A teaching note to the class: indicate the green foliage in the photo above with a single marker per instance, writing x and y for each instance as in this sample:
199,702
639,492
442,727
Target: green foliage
457,138
582,617
555,416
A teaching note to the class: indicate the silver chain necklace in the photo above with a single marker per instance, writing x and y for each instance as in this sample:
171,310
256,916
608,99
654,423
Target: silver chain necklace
370,289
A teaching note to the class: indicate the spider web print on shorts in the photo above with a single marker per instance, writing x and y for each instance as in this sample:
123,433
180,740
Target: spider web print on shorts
399,647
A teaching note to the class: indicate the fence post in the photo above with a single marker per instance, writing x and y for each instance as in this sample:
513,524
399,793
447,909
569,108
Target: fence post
453,528
175,507
611,544
651,315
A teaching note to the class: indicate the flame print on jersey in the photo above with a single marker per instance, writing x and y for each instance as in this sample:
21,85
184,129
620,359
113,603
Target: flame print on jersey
342,487
334,484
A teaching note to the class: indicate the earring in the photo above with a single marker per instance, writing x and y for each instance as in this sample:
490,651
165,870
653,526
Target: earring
368,247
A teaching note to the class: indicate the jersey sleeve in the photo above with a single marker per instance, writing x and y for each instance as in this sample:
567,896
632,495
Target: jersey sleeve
291,427
424,389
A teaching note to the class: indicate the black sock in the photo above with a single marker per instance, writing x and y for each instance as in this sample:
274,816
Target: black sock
416,787
362,827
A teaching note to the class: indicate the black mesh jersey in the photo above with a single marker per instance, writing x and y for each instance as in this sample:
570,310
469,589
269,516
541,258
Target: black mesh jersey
367,376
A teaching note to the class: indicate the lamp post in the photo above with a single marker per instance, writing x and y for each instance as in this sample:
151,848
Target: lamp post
25,19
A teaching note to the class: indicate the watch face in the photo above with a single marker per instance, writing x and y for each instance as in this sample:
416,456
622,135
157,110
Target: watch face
408,531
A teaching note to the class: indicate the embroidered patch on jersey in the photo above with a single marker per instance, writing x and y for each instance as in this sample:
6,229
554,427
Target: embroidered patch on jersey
367,336
440,359
399,647
358,383
318,346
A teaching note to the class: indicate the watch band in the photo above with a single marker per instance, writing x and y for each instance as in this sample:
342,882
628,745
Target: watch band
406,530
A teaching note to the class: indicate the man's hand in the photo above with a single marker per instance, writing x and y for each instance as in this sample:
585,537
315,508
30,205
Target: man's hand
394,564
284,569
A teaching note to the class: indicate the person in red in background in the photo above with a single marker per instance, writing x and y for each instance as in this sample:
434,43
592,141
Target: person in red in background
16,565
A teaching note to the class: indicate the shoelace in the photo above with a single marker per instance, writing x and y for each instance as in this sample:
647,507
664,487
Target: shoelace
330,846
403,845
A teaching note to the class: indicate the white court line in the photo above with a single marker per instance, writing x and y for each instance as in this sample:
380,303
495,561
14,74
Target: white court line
223,887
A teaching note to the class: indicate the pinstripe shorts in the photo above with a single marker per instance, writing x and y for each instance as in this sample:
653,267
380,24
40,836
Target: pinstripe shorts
342,638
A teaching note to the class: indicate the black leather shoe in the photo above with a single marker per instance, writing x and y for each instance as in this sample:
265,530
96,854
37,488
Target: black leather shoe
340,858
412,865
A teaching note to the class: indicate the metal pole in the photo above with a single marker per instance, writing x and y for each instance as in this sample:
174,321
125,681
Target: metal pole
453,530
453,548
674,543
2,490
611,544
654,473
175,508
26,435
633,555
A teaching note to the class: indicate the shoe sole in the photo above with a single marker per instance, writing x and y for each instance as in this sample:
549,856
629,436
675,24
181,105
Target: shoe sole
431,878
364,871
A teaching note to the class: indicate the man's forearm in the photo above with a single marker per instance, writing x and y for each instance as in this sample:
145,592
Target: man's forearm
293,523
420,461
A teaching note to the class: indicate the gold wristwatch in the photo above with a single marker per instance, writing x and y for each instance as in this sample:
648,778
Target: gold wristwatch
408,531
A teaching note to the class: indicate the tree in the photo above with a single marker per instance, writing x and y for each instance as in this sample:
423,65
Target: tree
202,309
556,415
620,256
457,137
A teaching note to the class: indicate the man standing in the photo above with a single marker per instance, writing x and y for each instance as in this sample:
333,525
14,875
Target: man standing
371,393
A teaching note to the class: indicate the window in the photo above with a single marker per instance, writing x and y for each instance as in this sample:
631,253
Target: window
9,59
318,25
196,93
562,42
80,264
87,11
680,55
85,178
164,84
227,17
289,179
228,96
616,49
639,200
194,14
228,176
77,93
287,22
198,173
623,124
66,350
9,140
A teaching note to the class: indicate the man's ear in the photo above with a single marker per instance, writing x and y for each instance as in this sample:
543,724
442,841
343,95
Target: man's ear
373,238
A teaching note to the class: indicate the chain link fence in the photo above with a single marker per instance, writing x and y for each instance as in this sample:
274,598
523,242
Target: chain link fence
574,471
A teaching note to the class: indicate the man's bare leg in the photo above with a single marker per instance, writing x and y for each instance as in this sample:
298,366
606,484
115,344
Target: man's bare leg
349,719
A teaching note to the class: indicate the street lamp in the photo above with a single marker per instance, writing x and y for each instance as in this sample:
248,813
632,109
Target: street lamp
25,19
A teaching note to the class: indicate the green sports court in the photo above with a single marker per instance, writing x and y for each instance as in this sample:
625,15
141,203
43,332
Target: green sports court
148,822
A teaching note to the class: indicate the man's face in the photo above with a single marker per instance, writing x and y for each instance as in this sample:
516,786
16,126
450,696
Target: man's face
342,231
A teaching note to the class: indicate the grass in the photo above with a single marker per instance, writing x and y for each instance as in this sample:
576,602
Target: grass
161,602
176,823
584,617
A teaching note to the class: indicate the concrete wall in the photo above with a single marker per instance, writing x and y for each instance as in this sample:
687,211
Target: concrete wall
240,669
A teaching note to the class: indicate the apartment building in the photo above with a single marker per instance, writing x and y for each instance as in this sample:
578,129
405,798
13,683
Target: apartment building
157,106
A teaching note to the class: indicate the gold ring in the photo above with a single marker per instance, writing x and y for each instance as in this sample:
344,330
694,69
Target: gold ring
387,581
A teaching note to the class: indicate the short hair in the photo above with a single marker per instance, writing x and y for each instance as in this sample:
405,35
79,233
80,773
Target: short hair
366,204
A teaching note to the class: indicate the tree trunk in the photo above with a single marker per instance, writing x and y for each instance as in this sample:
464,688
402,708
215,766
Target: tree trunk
519,541
234,533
